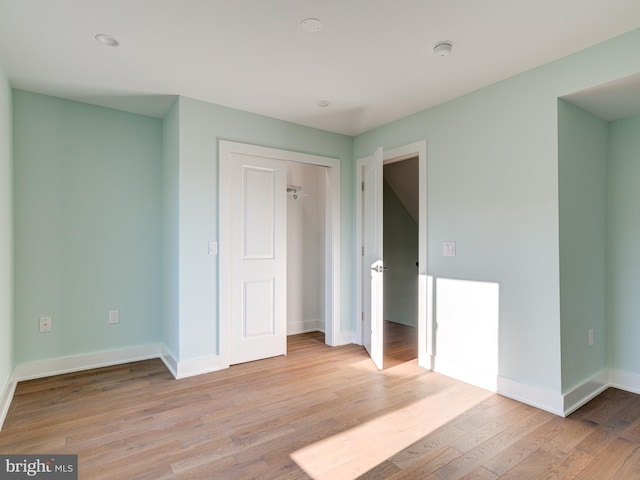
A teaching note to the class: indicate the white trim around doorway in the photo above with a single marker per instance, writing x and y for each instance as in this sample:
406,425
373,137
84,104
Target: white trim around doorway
425,300
332,303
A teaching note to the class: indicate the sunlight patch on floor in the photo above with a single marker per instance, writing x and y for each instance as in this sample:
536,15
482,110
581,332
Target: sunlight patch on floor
349,454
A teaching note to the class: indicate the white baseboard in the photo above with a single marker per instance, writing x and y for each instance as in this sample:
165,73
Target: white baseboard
565,404
541,398
191,367
425,360
547,400
587,390
343,338
76,363
169,360
196,366
629,382
536,397
305,326
464,373
6,396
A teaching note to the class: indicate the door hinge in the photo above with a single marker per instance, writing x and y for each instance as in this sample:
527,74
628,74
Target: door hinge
362,184
362,317
362,251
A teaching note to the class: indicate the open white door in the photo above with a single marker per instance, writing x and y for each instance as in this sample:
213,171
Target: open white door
258,258
372,266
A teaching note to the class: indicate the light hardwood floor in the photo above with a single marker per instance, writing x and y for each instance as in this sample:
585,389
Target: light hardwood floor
400,343
319,412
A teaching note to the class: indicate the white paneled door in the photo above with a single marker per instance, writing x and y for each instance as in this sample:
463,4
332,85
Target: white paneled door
373,268
258,258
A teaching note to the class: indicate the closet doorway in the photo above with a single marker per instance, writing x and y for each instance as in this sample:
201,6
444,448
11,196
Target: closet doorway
306,226
253,286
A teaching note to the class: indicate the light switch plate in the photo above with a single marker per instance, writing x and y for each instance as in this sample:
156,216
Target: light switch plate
449,249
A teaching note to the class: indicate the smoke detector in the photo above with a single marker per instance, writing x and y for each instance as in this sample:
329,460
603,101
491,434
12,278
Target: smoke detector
443,49
107,40
311,25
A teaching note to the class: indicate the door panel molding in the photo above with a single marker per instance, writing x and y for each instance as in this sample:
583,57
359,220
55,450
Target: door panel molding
263,290
258,208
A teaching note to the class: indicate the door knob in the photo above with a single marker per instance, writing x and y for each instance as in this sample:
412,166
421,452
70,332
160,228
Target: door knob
379,268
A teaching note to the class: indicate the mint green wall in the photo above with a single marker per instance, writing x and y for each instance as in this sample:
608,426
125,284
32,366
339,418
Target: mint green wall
97,221
493,188
623,253
88,200
582,179
201,126
6,233
170,230
400,242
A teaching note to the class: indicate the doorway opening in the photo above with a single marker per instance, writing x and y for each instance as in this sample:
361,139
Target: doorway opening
372,268
253,289
400,250
306,225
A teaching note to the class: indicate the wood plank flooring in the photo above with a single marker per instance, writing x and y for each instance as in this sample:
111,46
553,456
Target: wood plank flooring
319,412
400,343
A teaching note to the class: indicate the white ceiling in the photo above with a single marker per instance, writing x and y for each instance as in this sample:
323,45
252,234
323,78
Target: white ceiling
611,101
373,59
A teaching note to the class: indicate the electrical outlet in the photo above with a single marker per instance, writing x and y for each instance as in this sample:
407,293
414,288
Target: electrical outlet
591,339
114,317
46,324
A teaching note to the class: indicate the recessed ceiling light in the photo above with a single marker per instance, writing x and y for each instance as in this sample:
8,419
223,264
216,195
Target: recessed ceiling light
311,25
107,40
443,49
323,103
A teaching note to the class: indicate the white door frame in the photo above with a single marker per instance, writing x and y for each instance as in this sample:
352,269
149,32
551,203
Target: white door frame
425,314
332,303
